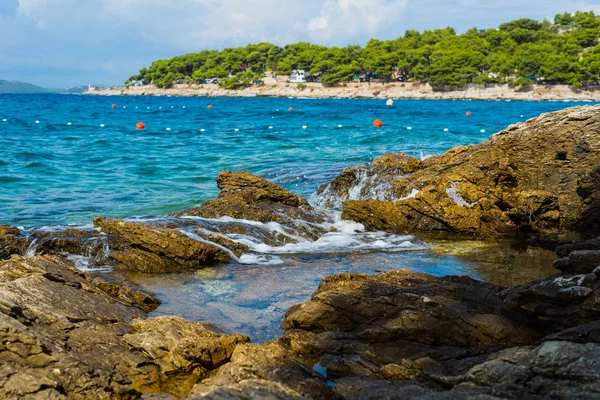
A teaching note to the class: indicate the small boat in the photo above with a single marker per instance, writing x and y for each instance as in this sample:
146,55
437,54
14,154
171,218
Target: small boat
390,102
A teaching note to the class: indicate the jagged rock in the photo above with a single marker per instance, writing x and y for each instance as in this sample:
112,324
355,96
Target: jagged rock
403,305
237,248
181,347
565,249
578,257
144,248
361,182
266,371
246,196
68,241
12,241
59,334
559,302
541,176
66,335
586,333
177,344
579,261
413,336
555,369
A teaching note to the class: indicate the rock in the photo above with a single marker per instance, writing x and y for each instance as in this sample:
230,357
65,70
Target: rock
66,335
249,197
266,371
360,182
59,334
565,249
181,347
413,336
579,261
408,306
541,176
237,248
145,248
555,369
12,241
557,303
88,247
586,333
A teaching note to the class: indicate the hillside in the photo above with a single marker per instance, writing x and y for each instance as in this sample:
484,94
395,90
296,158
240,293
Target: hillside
519,53
19,87
13,87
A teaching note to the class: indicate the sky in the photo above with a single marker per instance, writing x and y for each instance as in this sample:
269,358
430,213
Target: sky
63,43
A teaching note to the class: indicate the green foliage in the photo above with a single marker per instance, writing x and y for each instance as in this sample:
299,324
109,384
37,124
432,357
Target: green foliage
301,86
561,52
240,80
523,82
523,23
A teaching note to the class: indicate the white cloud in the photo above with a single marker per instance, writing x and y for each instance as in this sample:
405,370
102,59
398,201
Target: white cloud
105,41
352,19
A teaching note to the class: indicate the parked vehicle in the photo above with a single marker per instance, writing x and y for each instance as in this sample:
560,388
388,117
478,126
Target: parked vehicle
298,76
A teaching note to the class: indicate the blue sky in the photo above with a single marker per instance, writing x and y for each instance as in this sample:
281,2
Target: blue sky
56,43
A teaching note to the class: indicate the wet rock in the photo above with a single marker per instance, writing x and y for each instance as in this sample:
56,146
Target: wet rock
249,197
547,243
531,177
12,241
144,248
266,371
578,257
69,241
362,182
237,248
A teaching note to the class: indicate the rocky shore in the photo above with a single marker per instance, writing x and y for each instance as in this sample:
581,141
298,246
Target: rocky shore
540,177
66,334
394,90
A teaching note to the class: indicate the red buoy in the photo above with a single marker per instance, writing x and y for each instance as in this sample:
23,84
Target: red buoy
377,123
291,109
468,113
140,125
209,106
114,106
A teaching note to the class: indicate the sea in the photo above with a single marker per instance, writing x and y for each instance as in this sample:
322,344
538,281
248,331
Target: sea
69,158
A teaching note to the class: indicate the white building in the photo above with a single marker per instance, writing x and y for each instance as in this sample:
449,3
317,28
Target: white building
298,76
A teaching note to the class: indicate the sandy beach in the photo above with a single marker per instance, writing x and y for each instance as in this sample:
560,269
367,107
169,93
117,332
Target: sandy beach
394,90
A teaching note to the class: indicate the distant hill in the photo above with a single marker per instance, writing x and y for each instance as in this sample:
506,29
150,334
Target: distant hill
22,87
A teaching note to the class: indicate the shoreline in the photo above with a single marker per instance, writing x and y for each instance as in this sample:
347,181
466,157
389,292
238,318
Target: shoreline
394,90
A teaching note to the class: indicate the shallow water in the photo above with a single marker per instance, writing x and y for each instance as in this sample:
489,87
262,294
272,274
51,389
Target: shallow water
53,173
252,299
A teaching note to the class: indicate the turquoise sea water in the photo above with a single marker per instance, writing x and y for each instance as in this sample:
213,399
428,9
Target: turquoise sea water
53,173
84,159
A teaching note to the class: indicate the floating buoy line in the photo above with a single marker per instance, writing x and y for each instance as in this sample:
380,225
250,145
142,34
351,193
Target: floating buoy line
141,125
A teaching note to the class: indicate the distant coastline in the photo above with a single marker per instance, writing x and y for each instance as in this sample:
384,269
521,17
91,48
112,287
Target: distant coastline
394,90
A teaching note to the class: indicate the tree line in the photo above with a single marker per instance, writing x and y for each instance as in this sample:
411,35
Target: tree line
519,52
